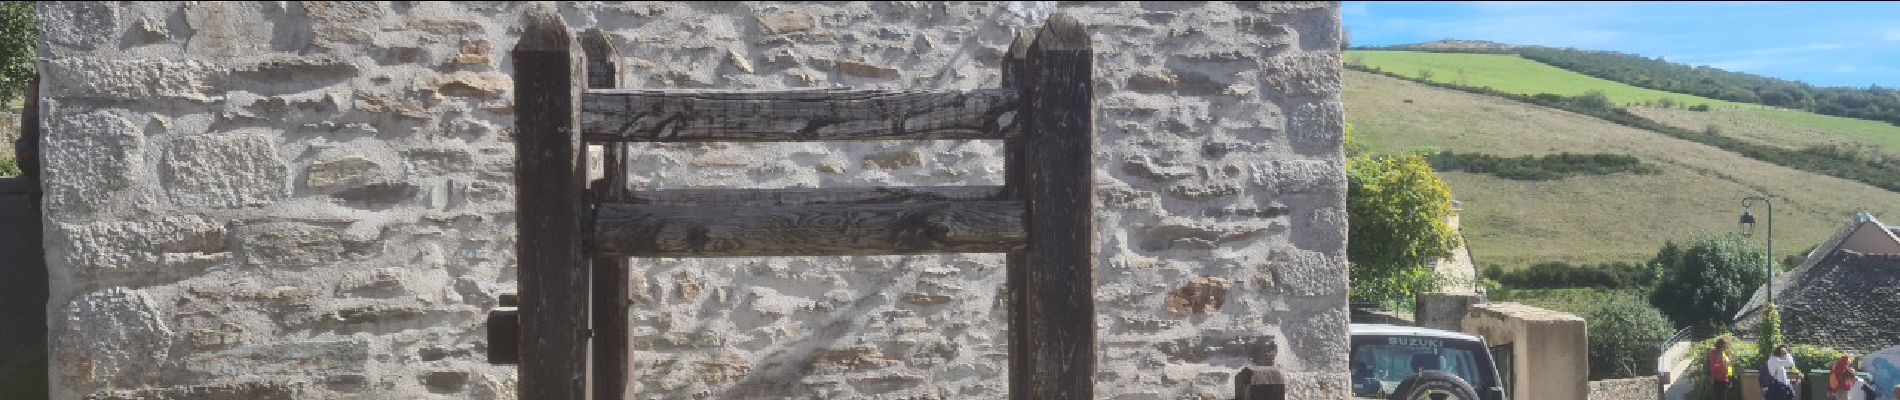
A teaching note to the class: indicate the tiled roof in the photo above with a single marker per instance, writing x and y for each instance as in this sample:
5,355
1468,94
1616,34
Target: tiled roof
1848,301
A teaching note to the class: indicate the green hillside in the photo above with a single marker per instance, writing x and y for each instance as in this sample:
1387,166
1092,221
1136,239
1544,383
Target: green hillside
1513,74
1589,219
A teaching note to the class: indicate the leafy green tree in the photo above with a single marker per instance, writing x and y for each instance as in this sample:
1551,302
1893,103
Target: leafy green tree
17,51
1705,282
1623,338
1398,208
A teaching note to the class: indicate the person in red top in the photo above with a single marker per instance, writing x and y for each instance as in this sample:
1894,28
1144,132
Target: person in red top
1839,382
1721,369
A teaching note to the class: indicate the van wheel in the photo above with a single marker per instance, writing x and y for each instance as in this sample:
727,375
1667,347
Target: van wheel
1434,385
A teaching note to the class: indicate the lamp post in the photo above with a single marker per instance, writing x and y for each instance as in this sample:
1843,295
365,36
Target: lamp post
1748,229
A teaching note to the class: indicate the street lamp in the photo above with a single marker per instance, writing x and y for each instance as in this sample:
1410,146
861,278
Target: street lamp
1748,229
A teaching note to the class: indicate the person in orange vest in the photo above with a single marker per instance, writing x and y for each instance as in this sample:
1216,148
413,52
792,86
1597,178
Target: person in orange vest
1721,369
1839,379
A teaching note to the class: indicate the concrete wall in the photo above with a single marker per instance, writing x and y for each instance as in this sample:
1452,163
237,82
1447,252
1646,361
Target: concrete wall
1551,349
314,199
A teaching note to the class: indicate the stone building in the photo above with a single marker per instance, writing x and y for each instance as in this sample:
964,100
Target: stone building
1844,294
303,200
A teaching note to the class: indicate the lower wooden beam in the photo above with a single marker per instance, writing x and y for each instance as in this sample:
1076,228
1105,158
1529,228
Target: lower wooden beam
639,230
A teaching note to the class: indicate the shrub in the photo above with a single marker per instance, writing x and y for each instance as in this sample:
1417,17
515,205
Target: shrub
1623,338
9,167
1539,168
1706,282
1557,274
1699,107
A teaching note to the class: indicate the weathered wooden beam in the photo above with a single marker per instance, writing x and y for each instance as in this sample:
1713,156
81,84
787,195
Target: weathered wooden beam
1059,146
550,176
791,196
1016,284
633,115
642,230
612,354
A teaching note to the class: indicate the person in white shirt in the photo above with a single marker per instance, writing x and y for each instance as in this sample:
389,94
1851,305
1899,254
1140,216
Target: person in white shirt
1778,367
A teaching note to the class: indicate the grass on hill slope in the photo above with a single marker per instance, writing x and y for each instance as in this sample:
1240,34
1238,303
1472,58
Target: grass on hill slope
1791,129
1512,74
1780,127
1592,219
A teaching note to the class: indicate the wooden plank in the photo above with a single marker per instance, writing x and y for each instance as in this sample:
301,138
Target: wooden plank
550,174
1058,138
1016,284
612,355
641,230
791,196
636,115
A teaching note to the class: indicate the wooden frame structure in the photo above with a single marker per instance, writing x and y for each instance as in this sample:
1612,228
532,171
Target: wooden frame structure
569,334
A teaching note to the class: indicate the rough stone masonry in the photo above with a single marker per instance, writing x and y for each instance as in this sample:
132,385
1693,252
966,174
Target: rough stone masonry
313,200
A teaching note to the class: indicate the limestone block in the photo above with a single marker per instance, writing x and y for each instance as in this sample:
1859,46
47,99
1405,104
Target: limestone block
1201,295
217,391
343,11
867,70
222,29
340,172
111,337
130,79
438,161
1300,176
89,157
1306,273
487,85
292,245
287,359
784,21
1316,129
169,242
224,170
78,24
1304,73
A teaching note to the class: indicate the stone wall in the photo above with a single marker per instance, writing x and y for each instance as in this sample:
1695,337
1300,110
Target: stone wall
314,199
1638,388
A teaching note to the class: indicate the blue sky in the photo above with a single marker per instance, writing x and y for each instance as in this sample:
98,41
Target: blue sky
1823,43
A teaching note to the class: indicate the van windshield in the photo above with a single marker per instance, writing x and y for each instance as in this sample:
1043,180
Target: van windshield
1380,364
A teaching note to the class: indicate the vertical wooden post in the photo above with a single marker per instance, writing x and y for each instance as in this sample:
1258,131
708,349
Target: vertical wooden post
550,176
612,357
1059,149
1014,178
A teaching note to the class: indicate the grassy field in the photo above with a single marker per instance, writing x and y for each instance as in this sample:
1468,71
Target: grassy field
1780,127
1574,301
1512,74
1765,125
1593,219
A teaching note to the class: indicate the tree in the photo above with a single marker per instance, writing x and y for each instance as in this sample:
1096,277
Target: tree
1398,208
1424,74
17,50
1707,281
1623,338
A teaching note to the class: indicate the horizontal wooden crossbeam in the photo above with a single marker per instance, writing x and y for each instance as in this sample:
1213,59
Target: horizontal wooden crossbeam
633,115
789,196
650,230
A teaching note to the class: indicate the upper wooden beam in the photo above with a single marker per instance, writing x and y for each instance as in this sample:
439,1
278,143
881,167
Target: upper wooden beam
635,115
550,176
641,230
